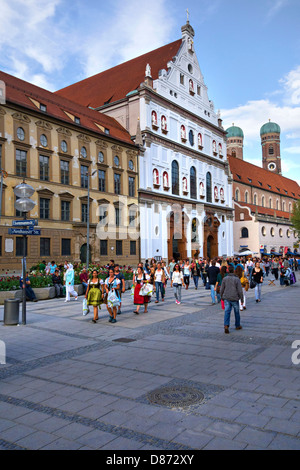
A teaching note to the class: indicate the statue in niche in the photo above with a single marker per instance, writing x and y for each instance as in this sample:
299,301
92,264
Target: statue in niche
214,146
216,193
222,194
220,149
154,119
155,177
183,133
184,185
166,180
191,86
201,189
163,123
190,44
200,140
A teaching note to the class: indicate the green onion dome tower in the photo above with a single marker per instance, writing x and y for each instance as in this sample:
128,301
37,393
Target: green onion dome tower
235,141
270,141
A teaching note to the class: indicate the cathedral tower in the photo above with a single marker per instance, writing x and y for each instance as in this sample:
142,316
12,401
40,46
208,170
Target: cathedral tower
270,141
235,142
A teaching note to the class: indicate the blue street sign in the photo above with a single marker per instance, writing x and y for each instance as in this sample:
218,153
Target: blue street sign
23,231
25,223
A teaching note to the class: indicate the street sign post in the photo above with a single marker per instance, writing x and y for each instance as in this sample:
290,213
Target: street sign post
24,231
25,223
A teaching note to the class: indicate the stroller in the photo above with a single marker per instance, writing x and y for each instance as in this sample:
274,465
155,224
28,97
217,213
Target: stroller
286,274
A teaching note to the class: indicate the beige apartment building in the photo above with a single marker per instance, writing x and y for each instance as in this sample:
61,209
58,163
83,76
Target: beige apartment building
63,150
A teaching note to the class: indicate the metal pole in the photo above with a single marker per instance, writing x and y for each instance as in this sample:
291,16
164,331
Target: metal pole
24,279
88,227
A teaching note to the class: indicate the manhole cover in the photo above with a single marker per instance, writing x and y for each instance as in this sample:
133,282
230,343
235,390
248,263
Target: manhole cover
177,396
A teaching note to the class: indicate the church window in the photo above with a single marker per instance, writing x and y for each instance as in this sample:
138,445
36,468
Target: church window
237,195
191,138
181,79
255,199
246,196
193,182
190,68
263,201
208,187
244,232
175,177
271,150
270,203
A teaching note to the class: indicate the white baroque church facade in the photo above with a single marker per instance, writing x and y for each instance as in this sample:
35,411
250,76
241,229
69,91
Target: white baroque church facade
185,185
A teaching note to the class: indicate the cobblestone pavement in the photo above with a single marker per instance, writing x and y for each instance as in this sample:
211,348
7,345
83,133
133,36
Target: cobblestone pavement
71,384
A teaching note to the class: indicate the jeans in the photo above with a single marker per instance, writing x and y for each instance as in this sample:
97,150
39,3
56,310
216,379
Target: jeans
213,293
58,290
258,291
30,293
177,292
159,287
228,307
84,287
204,277
196,280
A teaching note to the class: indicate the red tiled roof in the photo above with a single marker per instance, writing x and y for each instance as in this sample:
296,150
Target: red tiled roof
252,175
265,210
115,83
19,91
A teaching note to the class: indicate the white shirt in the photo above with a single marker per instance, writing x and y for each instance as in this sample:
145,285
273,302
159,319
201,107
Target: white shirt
177,277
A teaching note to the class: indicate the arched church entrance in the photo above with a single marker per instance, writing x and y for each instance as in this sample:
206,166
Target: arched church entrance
211,233
177,240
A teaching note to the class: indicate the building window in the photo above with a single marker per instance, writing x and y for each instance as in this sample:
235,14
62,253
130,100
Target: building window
64,172
119,247
20,246
246,196
64,146
288,233
132,247
21,162
100,157
237,195
44,246
131,186
21,133
43,107
65,210
270,203
132,217
281,232
117,181
65,246
118,216
208,187
77,120
83,152
84,171
175,178
44,208
191,138
272,232
264,231
103,247
244,233
84,213
43,140
18,213
44,168
116,161
263,201
101,176
255,199
103,216
193,183
181,79
271,150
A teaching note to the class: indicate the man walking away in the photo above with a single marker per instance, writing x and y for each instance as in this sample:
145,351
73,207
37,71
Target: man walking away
212,274
231,292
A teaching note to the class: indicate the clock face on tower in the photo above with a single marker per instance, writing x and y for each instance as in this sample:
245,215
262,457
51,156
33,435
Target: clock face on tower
272,166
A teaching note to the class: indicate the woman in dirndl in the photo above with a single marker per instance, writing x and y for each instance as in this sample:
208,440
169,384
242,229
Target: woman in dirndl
112,284
94,293
140,279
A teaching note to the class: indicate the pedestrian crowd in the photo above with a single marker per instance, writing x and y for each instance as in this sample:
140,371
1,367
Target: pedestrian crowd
228,281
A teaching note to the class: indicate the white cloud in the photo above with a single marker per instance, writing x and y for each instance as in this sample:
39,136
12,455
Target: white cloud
102,51
291,84
275,7
293,150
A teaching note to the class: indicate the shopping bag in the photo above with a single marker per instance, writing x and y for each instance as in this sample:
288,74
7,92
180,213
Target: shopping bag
146,289
85,307
132,291
112,299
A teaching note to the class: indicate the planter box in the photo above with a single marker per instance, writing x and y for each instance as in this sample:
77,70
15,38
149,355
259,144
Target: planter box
44,293
79,289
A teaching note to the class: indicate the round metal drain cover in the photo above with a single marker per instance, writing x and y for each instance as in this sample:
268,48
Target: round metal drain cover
177,396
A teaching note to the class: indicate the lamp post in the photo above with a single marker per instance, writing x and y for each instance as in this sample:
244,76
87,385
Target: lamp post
88,224
24,204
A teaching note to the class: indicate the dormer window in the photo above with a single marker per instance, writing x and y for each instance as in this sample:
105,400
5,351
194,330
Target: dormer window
77,120
43,107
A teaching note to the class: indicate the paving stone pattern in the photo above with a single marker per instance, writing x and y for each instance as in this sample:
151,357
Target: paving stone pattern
71,384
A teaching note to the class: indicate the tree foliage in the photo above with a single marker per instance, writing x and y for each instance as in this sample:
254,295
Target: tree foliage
296,216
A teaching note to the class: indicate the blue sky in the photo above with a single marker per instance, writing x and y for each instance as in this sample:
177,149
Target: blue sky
249,53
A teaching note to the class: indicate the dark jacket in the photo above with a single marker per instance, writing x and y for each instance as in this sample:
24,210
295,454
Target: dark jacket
56,279
212,273
231,288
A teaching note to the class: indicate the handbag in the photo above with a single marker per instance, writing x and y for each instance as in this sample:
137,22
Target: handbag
85,307
175,284
112,299
252,284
